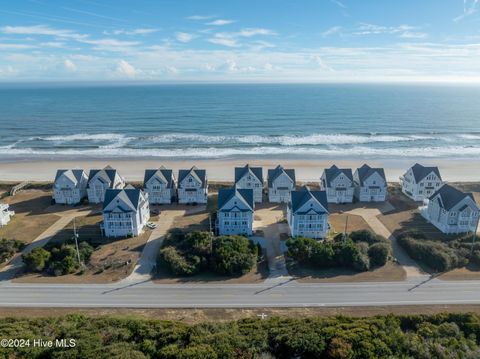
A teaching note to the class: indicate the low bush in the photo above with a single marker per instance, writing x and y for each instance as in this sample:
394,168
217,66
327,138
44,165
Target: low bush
58,260
352,252
8,248
437,255
190,254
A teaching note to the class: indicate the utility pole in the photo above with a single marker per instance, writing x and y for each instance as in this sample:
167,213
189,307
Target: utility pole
345,229
474,237
75,236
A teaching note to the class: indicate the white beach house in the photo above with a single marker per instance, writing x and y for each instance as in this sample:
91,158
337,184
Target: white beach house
307,213
451,210
5,214
420,182
192,186
370,184
161,185
125,212
338,183
235,211
101,180
250,178
70,186
281,182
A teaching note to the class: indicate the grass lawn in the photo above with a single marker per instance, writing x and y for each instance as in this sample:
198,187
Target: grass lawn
31,218
388,273
258,274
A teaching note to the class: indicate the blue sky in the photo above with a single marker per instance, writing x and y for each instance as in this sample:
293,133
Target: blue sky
240,40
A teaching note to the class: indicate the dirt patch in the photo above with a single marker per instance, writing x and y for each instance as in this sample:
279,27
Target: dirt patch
471,272
391,272
31,216
87,228
256,275
110,262
354,223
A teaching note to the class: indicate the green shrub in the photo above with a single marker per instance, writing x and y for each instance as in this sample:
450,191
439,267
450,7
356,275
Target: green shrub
36,260
233,255
366,236
437,255
178,263
378,254
8,248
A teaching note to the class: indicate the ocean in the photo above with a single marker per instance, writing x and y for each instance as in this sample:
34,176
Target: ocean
239,121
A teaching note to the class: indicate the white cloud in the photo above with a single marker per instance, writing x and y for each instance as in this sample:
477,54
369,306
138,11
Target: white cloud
41,30
184,37
70,65
332,31
469,8
339,3
126,69
413,35
229,42
220,22
9,46
140,31
200,17
249,32
53,44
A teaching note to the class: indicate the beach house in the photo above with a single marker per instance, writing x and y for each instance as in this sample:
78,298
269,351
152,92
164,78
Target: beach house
451,210
160,184
338,184
70,186
281,182
370,184
307,213
420,182
192,186
250,178
101,180
235,211
125,212
5,214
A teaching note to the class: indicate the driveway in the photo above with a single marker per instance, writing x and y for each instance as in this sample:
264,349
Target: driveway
268,220
370,215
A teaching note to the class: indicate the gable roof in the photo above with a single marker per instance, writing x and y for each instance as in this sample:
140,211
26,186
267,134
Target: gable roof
162,172
242,171
200,175
244,195
273,174
75,175
108,174
332,173
449,196
366,171
130,196
420,172
302,196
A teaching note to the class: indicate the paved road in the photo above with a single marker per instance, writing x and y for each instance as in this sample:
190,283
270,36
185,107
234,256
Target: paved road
285,294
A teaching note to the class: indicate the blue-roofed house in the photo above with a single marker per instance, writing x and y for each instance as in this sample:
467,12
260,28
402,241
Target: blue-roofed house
420,182
250,178
235,211
160,184
307,213
338,184
370,184
101,180
451,210
125,212
192,186
70,186
281,182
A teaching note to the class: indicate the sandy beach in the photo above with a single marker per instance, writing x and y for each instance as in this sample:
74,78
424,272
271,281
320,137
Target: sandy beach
222,170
